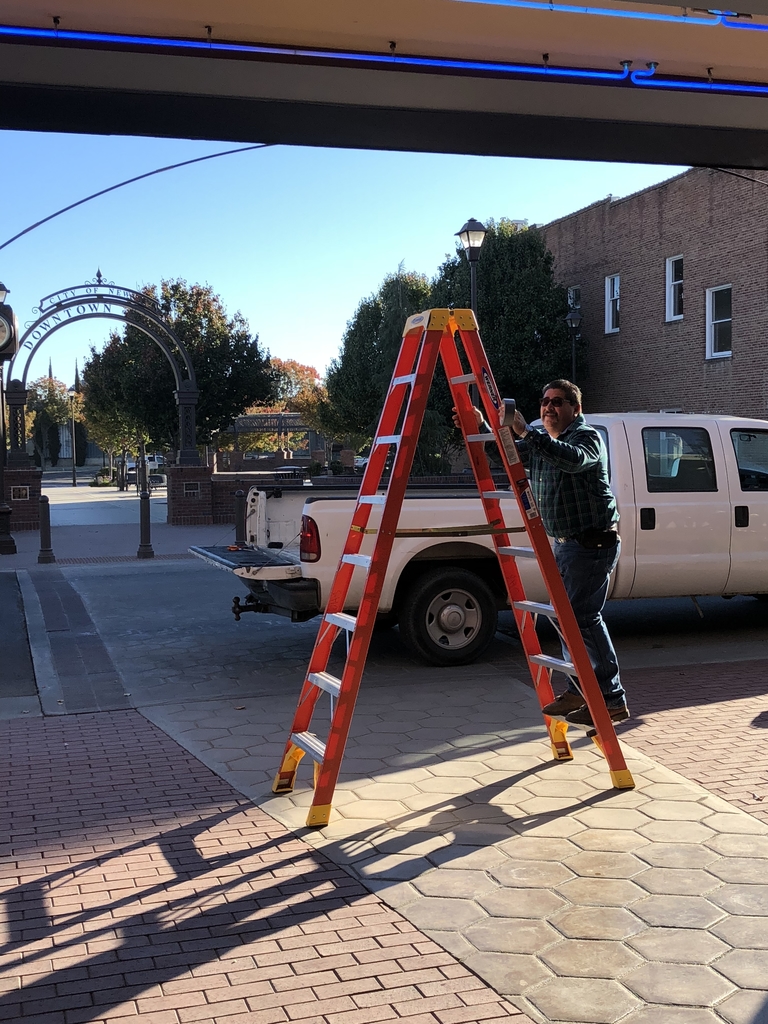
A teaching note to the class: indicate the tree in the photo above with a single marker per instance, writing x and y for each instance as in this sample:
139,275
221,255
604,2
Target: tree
132,379
291,380
47,408
357,380
521,310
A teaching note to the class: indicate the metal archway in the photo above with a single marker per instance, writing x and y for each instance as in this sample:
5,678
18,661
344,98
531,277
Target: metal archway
95,300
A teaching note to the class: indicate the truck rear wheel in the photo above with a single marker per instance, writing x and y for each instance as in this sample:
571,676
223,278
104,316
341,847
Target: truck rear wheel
448,617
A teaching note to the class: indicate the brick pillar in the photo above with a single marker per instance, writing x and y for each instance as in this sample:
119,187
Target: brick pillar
22,492
190,499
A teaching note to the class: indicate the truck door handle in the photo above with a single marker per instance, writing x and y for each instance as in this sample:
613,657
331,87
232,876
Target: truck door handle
741,515
647,518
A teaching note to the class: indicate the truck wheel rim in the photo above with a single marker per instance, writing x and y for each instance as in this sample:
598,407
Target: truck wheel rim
453,619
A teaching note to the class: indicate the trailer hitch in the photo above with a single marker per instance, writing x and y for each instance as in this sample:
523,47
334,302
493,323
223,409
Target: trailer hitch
251,605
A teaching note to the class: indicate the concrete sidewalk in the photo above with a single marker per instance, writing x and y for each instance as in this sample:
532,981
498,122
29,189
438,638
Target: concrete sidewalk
569,901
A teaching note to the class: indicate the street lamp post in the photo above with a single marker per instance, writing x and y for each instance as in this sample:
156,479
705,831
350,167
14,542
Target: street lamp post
8,347
71,392
573,320
472,236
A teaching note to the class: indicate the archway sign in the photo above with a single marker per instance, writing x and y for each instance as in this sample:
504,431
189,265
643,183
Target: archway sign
100,299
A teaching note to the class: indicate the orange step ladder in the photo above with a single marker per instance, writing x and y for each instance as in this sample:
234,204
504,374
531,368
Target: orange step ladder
427,336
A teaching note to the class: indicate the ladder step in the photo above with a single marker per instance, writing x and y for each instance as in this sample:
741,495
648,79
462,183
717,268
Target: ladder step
326,682
518,552
407,378
554,663
371,499
310,744
498,494
466,378
483,438
535,608
364,560
389,439
347,622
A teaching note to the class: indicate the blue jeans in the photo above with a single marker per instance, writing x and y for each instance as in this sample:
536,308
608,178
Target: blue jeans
585,573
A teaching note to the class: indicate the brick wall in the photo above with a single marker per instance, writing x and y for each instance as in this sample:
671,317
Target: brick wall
719,223
25,514
190,500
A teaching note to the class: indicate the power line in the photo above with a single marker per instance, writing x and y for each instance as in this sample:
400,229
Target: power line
736,174
129,181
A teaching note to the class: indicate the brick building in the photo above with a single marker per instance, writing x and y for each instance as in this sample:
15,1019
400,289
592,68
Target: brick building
672,284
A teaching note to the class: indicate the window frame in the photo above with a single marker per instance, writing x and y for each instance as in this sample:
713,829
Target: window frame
609,300
710,292
670,284
571,289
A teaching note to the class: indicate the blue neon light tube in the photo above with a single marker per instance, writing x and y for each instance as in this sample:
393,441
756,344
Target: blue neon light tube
603,12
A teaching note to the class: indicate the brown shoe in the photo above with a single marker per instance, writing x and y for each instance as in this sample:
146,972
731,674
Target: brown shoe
564,704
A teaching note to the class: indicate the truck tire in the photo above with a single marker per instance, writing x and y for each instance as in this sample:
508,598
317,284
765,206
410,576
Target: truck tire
448,617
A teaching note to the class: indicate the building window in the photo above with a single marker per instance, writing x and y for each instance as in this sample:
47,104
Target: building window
719,322
19,494
675,288
574,296
191,490
612,304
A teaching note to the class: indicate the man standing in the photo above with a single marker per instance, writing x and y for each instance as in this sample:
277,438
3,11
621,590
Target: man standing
567,465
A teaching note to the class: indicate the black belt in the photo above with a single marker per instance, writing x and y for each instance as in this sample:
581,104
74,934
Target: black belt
594,538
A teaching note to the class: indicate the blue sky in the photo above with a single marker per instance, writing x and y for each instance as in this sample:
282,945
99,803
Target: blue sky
291,237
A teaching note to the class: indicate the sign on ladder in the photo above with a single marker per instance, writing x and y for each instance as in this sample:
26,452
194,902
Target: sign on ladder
427,336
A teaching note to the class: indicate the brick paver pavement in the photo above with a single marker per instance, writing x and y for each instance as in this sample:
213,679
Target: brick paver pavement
137,882
707,722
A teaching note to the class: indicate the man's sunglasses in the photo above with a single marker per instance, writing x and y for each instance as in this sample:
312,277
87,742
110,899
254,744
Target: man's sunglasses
557,401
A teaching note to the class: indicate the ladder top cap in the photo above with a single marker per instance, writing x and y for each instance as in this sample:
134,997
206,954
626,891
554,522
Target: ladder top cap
438,320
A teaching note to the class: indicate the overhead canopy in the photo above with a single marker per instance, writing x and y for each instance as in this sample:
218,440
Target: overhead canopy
512,77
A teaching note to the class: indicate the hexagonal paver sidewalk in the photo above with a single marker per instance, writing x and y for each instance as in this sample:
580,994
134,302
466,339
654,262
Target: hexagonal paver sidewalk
576,902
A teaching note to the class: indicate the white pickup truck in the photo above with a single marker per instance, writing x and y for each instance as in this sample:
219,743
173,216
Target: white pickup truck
692,493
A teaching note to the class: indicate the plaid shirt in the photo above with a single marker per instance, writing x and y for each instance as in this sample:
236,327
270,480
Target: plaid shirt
569,478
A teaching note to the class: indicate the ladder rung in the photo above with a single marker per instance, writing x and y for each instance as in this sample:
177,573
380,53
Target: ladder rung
466,378
342,619
484,438
364,560
535,608
310,744
326,682
554,663
518,552
408,378
389,439
498,494
372,499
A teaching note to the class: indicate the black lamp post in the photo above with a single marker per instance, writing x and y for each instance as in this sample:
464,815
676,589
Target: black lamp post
573,320
71,392
9,340
472,236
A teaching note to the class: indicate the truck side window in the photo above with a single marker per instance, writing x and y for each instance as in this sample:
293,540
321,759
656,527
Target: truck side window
678,459
751,448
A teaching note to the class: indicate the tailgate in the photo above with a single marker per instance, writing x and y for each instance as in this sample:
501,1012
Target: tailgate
251,563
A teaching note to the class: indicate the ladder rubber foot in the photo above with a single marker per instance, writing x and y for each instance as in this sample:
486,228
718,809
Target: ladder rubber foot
622,779
318,815
281,785
561,754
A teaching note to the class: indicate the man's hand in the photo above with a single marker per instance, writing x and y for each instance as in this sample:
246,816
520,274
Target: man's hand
478,417
519,426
